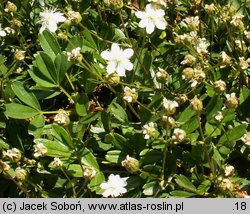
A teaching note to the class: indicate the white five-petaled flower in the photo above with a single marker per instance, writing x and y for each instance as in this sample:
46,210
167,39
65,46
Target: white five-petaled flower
2,32
50,18
149,130
118,60
115,186
40,150
152,18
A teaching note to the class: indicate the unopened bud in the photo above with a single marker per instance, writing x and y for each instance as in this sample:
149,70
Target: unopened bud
196,104
74,17
113,79
169,121
21,174
113,4
220,86
13,154
188,73
130,95
89,173
132,165
162,75
62,118
232,100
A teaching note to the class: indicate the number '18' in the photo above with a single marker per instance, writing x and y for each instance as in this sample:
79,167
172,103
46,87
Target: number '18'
241,205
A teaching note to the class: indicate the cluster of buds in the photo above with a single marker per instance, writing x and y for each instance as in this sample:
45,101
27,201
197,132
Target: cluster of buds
220,86
132,165
130,95
75,55
226,184
16,23
74,17
210,9
62,118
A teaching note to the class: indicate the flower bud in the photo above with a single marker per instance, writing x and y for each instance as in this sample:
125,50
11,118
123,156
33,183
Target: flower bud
169,106
10,7
108,138
218,116
74,17
188,73
56,163
113,79
188,60
220,86
62,118
246,139
178,135
226,185
19,55
113,4
162,75
16,23
196,104
132,165
21,174
225,60
75,55
232,100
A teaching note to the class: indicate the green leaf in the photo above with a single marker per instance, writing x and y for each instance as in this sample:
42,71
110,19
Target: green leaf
3,144
25,96
62,135
118,112
115,156
89,159
19,111
95,183
40,79
49,43
46,66
82,105
203,187
151,188
185,183
36,125
74,170
182,194
55,148
90,117
186,115
228,140
61,65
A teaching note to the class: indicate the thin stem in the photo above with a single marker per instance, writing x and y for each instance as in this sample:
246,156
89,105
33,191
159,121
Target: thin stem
70,82
66,93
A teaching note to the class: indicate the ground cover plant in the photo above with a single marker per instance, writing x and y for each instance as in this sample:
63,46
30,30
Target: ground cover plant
112,98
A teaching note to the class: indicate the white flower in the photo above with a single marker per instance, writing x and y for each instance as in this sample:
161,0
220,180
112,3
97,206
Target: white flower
2,32
118,60
74,54
40,150
159,2
50,18
149,130
178,134
151,18
115,186
170,105
202,45
130,95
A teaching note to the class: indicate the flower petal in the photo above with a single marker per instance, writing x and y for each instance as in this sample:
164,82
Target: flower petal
128,52
150,28
161,24
106,55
